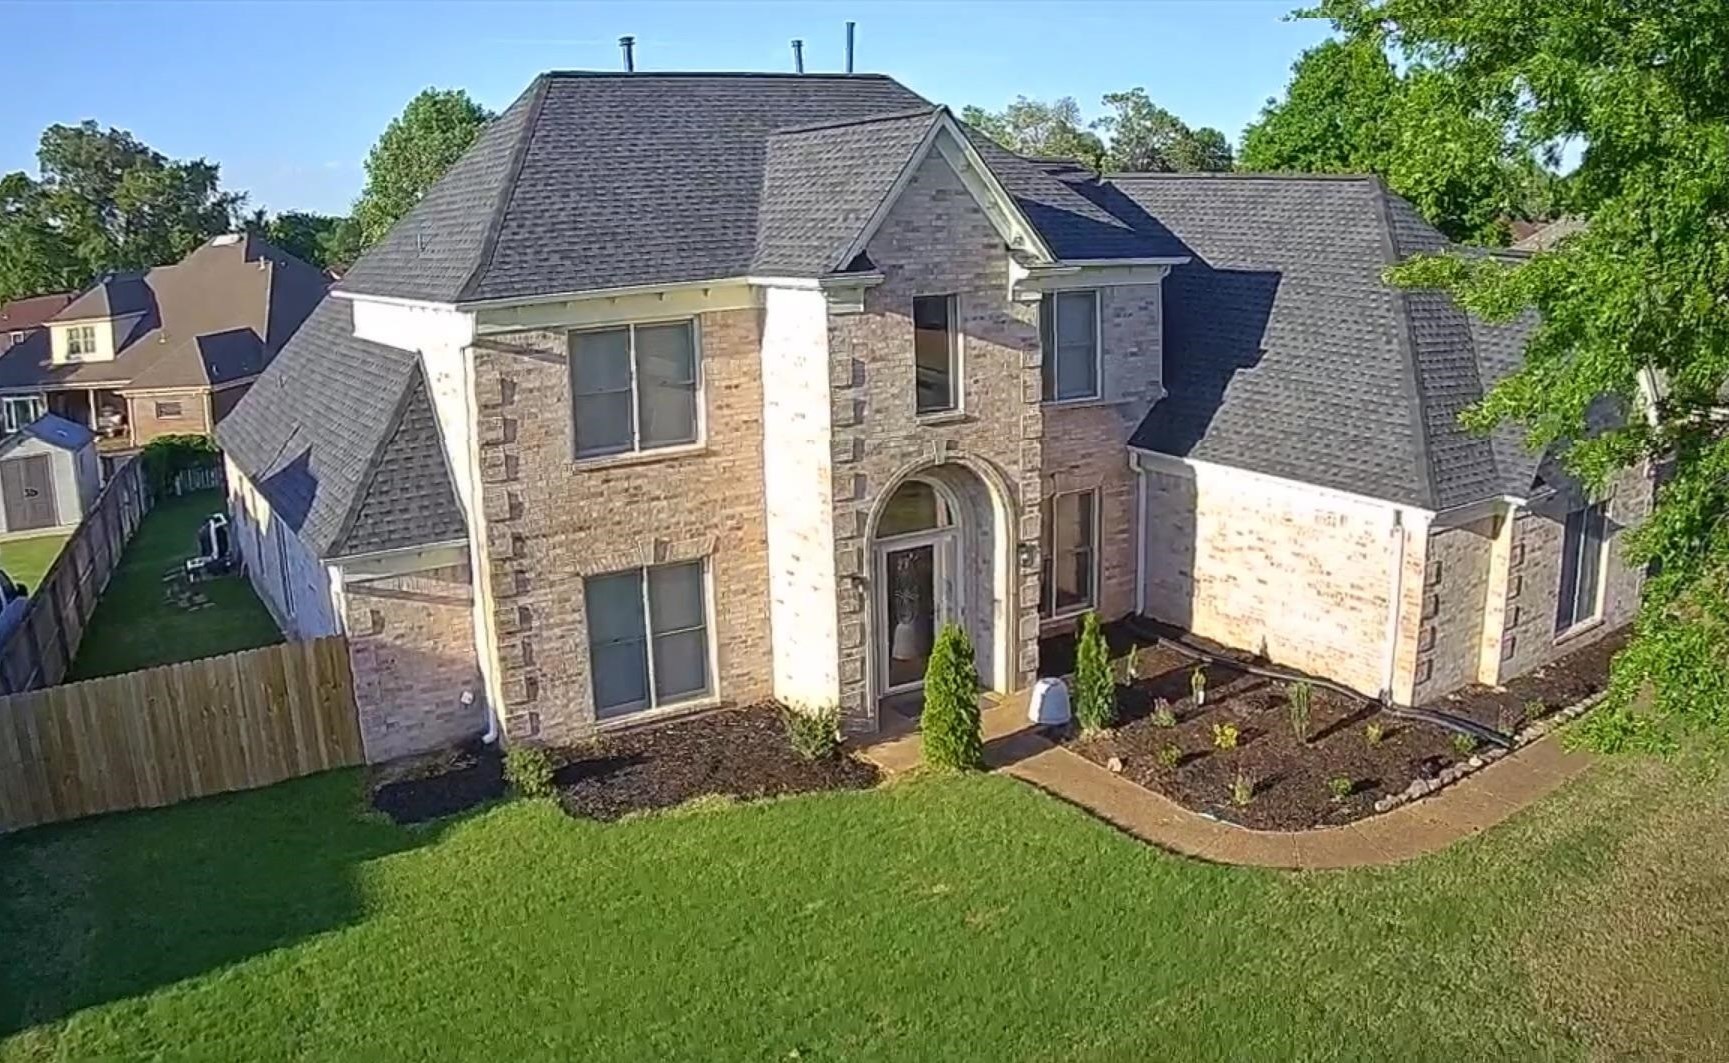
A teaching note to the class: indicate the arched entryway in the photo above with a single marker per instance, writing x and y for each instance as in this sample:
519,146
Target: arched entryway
940,554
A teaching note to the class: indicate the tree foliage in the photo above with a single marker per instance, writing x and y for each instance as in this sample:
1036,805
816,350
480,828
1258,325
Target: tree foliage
1142,135
1095,689
949,725
1347,110
325,240
415,149
103,201
1040,128
1633,306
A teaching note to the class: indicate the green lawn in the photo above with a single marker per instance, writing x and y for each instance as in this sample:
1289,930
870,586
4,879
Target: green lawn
26,560
136,625
968,918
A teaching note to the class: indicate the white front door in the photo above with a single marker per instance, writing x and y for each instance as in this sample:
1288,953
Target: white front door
914,598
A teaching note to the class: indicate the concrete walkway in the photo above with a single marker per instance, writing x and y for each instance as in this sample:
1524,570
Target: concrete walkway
1473,804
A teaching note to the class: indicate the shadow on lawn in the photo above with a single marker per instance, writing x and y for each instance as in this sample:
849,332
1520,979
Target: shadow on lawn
111,908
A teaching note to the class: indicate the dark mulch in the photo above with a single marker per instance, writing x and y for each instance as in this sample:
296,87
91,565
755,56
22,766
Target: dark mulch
441,785
1290,777
739,753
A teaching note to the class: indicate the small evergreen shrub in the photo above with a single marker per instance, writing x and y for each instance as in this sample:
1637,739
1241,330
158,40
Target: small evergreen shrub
1169,756
1198,685
1340,787
528,770
949,725
1373,733
1163,714
1298,694
1242,789
1225,735
813,733
1463,744
1534,709
1095,690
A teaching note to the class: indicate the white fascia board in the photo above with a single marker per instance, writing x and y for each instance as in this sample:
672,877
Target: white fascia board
391,300
379,563
1146,460
584,294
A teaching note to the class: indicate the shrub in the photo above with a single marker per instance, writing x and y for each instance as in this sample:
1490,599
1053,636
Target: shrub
949,725
1340,786
1225,735
1198,685
1463,744
1169,756
1534,709
1298,695
1373,733
1095,690
528,770
1242,789
1506,719
1134,659
165,456
1163,714
813,732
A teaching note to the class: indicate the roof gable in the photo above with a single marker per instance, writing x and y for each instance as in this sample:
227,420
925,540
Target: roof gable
406,498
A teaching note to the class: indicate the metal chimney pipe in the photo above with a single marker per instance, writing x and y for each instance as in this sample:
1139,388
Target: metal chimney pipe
849,29
797,56
629,46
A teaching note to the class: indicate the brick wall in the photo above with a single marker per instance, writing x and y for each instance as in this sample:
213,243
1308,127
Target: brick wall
411,647
1457,570
551,521
147,425
937,241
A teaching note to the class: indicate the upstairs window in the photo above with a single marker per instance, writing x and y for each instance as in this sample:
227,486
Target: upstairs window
1069,338
80,341
634,388
1582,549
936,351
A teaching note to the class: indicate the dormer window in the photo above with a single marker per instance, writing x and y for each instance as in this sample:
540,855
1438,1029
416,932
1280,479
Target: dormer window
80,341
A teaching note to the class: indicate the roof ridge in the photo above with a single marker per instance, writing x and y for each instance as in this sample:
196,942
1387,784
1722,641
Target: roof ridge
506,188
1405,343
1235,175
777,74
841,123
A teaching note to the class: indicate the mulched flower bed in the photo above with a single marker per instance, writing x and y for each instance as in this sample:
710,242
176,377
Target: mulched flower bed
1290,778
740,753
440,785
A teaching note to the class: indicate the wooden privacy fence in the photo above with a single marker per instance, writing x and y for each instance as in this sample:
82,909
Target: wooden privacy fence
39,651
180,731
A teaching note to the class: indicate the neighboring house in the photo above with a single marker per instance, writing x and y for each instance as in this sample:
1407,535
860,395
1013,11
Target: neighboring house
165,351
690,390
21,318
49,475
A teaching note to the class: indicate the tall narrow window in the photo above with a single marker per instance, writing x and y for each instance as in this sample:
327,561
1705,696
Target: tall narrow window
1581,566
1068,580
647,638
633,388
936,346
1069,336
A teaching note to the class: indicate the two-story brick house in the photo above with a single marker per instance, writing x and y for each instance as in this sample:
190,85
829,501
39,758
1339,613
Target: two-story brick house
686,390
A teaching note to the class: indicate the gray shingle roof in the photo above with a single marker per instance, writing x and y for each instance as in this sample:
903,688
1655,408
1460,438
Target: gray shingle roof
607,180
339,436
1286,353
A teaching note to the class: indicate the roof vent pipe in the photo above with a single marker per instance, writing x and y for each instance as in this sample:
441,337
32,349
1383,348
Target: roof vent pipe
628,44
849,29
797,56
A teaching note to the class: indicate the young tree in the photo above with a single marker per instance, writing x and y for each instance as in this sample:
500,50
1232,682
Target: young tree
1038,128
416,148
1095,689
1632,307
1145,137
949,724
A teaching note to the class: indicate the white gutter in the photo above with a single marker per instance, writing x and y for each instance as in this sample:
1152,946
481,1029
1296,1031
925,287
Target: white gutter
1395,592
1140,535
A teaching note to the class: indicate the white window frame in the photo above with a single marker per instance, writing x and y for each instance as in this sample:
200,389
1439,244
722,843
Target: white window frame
1048,558
281,533
636,448
651,709
1580,622
11,423
1047,358
17,336
957,401
80,341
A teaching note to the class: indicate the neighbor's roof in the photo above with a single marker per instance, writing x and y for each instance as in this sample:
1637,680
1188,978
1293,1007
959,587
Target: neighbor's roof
22,315
592,181
1287,353
1547,236
216,316
339,435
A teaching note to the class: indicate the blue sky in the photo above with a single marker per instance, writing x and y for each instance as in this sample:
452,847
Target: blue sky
288,97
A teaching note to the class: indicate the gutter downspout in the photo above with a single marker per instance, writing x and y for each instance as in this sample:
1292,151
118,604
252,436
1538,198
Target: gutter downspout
1140,534
1396,591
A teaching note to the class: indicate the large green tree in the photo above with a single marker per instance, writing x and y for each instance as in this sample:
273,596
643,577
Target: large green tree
1348,110
325,240
416,148
1040,128
1635,307
1145,137
103,200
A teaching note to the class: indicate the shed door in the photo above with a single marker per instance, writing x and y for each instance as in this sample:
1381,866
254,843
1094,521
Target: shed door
27,488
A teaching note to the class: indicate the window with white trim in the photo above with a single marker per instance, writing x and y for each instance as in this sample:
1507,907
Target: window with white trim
16,411
1068,578
634,388
1582,550
648,644
1069,340
80,341
936,353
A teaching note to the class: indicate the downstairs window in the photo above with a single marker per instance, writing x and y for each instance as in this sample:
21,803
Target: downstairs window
648,643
